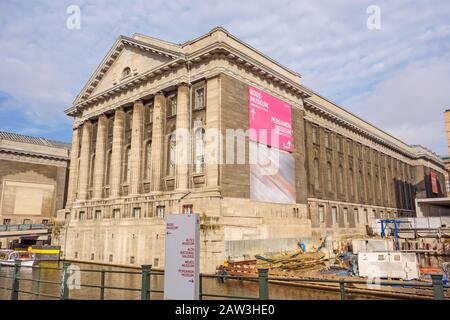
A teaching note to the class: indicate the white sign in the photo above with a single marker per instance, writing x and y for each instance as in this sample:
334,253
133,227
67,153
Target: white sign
181,274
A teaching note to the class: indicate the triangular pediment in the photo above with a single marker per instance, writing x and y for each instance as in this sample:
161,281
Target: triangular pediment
126,59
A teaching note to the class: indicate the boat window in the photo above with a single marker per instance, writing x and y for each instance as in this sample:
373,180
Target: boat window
380,257
4,255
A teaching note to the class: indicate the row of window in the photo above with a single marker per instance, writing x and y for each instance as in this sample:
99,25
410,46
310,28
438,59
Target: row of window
398,168
135,213
199,158
132,259
348,219
7,222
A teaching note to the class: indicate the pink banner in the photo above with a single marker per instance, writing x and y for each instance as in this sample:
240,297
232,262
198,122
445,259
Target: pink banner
270,120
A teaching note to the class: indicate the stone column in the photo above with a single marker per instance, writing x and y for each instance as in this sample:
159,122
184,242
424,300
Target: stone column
99,165
136,147
183,138
212,138
116,153
159,117
73,174
84,161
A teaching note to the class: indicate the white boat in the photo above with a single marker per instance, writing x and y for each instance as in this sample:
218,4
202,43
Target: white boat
9,258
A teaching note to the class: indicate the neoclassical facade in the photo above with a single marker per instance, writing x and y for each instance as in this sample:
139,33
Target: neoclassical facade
126,173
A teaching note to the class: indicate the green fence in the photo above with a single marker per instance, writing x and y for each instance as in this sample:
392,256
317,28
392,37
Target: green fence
146,289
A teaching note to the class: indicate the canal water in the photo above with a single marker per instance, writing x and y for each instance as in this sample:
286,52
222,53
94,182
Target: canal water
210,285
124,280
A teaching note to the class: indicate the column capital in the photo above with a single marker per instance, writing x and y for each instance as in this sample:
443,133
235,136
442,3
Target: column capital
160,93
183,84
138,101
119,109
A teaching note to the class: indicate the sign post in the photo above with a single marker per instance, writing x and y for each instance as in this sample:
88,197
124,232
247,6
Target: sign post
181,275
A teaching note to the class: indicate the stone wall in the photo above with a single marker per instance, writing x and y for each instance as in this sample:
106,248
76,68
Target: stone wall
43,186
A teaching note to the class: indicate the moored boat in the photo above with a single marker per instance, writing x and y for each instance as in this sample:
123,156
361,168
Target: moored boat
9,258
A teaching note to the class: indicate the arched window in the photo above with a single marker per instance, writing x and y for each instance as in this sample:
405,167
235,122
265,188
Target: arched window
172,154
126,72
316,174
329,177
199,150
341,179
148,160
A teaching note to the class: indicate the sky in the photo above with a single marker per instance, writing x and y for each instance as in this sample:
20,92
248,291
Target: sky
396,76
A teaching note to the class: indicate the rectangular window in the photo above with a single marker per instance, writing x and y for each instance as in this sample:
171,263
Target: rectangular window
6,222
172,105
110,258
45,222
366,215
339,144
98,215
327,139
188,209
92,256
155,262
26,221
132,260
356,213
82,215
346,219
149,113
76,255
116,214
199,99
160,211
334,215
315,134
321,214
67,216
136,213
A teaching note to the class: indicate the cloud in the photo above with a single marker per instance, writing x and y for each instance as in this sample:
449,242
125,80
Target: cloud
44,65
410,104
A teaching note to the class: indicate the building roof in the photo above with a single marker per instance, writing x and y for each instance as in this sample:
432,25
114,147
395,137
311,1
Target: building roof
33,140
33,147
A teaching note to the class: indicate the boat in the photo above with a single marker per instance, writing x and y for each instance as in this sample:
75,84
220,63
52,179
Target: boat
9,258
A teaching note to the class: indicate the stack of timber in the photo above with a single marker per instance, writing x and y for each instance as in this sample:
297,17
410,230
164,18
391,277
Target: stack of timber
287,265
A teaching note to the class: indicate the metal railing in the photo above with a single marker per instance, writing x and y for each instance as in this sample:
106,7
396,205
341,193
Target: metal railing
22,227
146,289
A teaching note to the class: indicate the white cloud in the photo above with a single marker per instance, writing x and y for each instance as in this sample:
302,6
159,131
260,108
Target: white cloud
43,65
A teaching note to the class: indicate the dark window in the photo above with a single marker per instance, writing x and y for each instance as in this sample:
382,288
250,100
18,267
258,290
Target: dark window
315,134
188,208
126,72
316,174
160,211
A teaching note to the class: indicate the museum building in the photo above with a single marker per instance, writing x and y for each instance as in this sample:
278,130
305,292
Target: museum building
335,171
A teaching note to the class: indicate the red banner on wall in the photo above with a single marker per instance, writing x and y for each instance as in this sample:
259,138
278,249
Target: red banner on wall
270,120
434,184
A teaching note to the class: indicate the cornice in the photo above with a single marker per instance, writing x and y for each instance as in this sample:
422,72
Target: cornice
32,157
112,55
314,108
200,56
